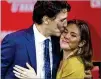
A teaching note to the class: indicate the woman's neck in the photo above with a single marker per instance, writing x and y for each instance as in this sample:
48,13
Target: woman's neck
68,53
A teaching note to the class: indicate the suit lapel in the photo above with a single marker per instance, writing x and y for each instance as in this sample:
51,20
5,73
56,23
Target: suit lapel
31,47
32,50
56,56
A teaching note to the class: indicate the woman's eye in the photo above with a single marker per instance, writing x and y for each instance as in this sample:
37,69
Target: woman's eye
73,35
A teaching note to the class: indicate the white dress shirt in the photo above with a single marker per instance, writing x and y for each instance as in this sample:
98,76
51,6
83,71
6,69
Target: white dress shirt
39,43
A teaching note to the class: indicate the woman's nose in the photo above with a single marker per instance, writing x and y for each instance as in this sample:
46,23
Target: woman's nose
67,35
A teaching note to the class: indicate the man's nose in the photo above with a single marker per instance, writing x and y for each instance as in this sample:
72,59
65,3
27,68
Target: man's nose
65,24
61,29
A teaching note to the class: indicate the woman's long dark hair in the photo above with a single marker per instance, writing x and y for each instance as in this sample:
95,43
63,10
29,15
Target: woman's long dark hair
86,51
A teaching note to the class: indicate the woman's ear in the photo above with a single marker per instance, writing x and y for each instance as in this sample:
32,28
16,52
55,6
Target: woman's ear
45,20
82,43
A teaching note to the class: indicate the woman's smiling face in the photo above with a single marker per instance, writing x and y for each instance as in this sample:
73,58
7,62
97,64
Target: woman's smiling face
70,38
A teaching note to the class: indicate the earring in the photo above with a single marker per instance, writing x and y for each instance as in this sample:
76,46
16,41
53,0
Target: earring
79,51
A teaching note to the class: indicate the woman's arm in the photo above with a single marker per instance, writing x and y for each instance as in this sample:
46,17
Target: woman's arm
21,72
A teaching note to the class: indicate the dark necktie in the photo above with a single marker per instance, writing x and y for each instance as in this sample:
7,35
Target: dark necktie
47,60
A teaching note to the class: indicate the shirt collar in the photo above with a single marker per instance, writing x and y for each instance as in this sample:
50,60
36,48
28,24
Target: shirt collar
38,35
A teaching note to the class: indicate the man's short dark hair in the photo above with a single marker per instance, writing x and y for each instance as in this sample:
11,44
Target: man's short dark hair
48,8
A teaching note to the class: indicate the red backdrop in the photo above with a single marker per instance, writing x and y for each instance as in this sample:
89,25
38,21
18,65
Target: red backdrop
12,21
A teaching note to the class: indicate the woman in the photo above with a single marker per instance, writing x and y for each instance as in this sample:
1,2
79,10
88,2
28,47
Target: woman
77,53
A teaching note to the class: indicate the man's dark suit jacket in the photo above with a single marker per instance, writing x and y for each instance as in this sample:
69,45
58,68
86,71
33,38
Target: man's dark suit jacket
19,47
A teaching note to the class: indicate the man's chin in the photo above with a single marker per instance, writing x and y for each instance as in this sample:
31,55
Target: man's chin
58,34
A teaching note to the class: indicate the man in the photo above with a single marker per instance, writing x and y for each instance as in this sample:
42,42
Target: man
28,45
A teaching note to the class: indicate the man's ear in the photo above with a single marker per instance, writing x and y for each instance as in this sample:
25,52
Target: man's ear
45,20
82,43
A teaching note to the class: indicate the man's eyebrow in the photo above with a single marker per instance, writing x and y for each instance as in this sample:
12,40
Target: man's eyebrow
63,19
